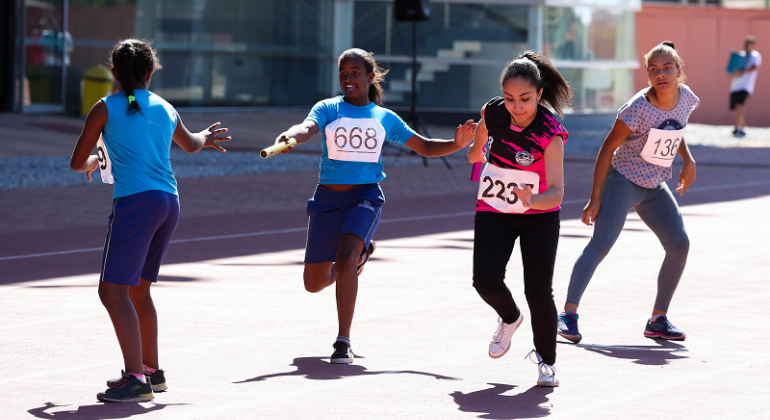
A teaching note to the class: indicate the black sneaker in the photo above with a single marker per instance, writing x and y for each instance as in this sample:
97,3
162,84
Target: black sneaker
365,256
128,390
157,380
342,353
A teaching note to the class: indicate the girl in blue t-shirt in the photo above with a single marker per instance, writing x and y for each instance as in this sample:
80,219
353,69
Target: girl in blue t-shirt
346,206
134,130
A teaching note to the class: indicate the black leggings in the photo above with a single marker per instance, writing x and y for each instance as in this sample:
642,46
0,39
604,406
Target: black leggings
494,237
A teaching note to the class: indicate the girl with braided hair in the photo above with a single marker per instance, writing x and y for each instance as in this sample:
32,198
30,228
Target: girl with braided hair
519,197
136,128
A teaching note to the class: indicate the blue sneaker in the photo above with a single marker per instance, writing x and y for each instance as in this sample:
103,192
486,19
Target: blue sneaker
567,327
662,328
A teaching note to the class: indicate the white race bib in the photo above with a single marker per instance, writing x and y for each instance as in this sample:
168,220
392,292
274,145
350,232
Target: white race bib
355,139
498,187
105,167
662,146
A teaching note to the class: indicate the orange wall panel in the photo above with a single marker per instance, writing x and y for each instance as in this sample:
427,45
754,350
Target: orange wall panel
704,37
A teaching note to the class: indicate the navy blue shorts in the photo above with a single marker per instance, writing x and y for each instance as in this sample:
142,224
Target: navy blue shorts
333,214
140,229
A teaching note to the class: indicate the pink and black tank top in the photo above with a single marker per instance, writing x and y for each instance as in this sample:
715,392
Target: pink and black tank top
515,148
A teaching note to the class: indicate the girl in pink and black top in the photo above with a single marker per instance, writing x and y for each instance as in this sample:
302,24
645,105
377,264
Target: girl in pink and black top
520,193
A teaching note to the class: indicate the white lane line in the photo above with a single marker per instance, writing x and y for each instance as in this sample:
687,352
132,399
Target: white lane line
396,220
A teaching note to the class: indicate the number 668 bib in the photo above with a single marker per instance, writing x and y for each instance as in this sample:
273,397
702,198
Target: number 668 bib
355,139
498,187
662,146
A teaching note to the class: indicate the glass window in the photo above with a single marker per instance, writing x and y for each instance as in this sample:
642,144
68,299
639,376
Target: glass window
218,52
586,34
462,48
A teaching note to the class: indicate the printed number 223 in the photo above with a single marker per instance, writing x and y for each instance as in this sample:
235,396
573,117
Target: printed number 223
503,189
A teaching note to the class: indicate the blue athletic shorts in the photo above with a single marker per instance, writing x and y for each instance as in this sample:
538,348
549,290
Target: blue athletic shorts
138,234
333,214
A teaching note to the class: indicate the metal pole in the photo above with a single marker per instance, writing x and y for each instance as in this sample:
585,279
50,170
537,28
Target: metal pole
413,109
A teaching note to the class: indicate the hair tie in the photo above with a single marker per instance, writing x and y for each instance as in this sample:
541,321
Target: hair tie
131,98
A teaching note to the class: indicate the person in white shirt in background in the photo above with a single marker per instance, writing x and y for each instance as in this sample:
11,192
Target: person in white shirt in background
743,84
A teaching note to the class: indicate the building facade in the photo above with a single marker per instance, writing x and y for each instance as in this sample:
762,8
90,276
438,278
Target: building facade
278,53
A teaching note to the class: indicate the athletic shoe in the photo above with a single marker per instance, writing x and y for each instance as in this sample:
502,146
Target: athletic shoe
740,133
365,256
546,373
567,327
157,380
342,353
662,328
128,390
501,340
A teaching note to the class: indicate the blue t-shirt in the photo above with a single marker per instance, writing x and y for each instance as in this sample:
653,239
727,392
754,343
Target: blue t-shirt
358,131
139,144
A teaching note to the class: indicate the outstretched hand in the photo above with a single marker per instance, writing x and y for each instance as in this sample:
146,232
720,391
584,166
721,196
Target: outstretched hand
284,138
211,136
465,133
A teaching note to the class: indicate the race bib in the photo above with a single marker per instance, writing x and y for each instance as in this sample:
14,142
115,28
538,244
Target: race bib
662,146
355,139
105,168
498,188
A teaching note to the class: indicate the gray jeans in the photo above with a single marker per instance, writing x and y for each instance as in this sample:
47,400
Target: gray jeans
658,210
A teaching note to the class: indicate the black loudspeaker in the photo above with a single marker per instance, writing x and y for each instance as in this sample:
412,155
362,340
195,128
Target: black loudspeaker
412,10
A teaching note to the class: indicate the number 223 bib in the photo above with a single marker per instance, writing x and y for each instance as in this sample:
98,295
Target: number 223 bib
498,188
355,139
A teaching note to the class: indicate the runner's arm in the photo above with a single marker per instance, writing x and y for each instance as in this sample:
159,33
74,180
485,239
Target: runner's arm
554,168
194,142
614,139
82,160
687,174
435,147
301,132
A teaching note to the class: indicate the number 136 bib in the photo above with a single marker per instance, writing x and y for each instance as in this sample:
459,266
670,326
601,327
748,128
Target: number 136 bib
498,187
355,139
661,146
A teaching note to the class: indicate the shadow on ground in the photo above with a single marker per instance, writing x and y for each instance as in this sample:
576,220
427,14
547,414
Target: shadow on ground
318,368
656,355
96,411
490,403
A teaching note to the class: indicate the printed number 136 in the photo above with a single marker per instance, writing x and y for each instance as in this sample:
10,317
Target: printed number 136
512,186
669,148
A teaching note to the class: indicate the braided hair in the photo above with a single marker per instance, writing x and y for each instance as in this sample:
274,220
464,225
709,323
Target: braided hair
132,59
533,67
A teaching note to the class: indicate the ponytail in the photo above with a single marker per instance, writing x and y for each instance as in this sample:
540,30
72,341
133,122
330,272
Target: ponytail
535,68
132,59
376,94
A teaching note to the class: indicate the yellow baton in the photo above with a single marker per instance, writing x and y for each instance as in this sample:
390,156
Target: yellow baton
276,148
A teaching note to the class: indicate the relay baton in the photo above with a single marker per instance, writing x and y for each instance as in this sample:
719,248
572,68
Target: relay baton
276,148
476,174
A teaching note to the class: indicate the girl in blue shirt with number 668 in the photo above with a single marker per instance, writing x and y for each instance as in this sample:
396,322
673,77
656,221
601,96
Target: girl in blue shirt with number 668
346,206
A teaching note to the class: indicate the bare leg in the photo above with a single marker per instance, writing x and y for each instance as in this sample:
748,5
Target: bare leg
319,276
148,321
739,120
570,307
348,253
115,299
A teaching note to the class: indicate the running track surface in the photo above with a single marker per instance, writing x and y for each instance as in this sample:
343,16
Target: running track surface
241,339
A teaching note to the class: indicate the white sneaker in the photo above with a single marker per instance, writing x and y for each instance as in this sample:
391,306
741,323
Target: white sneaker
546,373
501,341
